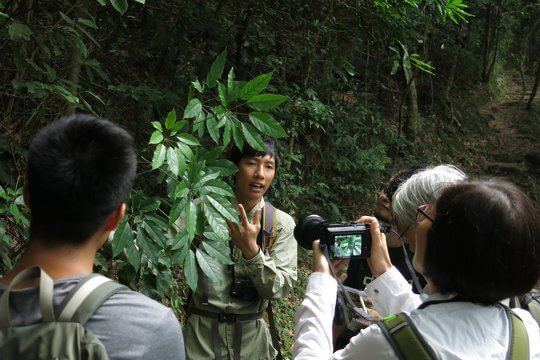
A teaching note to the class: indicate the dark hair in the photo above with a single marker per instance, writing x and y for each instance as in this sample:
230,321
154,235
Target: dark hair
485,242
269,149
80,168
399,178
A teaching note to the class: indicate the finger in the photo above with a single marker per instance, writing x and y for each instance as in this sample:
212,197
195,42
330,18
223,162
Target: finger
316,247
243,215
342,277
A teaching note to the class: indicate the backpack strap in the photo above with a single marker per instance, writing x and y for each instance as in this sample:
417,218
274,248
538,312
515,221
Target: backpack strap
518,347
84,299
46,288
403,336
267,235
531,302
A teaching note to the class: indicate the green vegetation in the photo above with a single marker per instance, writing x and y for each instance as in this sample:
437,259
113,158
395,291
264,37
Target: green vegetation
354,90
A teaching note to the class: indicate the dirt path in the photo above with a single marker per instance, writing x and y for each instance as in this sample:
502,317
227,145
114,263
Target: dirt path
512,149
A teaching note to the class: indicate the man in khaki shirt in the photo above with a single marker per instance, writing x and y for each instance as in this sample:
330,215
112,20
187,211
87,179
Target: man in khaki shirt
225,325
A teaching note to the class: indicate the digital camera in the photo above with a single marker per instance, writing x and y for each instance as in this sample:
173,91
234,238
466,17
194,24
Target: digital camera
347,240
242,288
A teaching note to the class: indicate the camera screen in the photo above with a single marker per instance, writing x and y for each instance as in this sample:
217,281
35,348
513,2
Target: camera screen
346,246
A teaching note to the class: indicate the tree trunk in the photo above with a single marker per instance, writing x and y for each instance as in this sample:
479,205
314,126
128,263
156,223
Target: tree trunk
535,86
412,111
490,43
451,73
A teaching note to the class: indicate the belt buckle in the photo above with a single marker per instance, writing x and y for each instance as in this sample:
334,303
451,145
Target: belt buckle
225,317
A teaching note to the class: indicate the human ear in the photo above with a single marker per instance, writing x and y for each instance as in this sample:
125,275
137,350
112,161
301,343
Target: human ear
115,218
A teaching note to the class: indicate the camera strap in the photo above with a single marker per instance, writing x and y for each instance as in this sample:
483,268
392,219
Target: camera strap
343,294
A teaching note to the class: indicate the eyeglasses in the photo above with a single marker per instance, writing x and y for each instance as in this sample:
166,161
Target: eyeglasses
422,213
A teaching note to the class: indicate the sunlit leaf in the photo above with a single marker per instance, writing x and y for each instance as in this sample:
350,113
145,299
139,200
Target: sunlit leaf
266,102
122,238
190,270
209,266
159,156
156,137
252,137
218,251
193,109
216,69
255,86
170,120
266,124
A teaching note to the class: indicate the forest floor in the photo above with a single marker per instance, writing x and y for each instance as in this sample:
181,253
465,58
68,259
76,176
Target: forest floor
511,148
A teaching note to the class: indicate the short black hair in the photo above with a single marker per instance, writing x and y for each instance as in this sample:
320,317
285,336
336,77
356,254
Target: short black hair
269,149
484,244
80,168
399,178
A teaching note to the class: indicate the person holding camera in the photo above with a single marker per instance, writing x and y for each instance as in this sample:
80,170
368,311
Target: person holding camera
225,320
477,245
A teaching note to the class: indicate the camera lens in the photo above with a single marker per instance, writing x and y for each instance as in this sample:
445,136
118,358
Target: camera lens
308,230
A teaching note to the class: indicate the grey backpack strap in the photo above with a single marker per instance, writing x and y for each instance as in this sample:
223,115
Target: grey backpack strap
268,228
46,288
87,297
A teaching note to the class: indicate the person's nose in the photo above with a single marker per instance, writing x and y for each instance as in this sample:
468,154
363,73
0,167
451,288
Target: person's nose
259,172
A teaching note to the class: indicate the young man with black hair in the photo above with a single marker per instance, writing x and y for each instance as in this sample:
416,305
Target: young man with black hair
80,171
226,319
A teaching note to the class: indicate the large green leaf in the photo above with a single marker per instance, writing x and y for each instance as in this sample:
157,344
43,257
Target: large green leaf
122,238
170,120
223,95
188,139
120,5
216,69
255,86
182,190
209,266
214,218
177,209
159,156
172,160
191,219
265,102
225,167
133,256
146,247
199,124
213,129
238,135
153,231
218,250
266,124
252,137
156,137
224,207
190,270
193,109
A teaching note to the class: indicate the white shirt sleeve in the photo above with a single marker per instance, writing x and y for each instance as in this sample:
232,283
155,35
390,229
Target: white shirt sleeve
314,318
390,293
313,331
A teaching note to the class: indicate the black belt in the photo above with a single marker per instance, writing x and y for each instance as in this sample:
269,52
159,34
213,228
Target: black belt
227,318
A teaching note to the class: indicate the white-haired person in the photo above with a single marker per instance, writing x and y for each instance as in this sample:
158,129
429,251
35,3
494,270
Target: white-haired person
478,244
388,294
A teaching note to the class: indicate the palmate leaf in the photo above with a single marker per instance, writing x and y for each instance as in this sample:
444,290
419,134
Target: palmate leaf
159,156
223,166
145,246
215,220
209,266
224,207
255,86
265,102
190,270
172,160
216,69
170,120
122,237
193,109
191,219
252,137
238,135
120,5
133,256
266,124
218,250
213,129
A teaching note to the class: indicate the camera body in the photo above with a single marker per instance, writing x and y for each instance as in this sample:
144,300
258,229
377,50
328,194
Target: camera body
242,288
346,240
